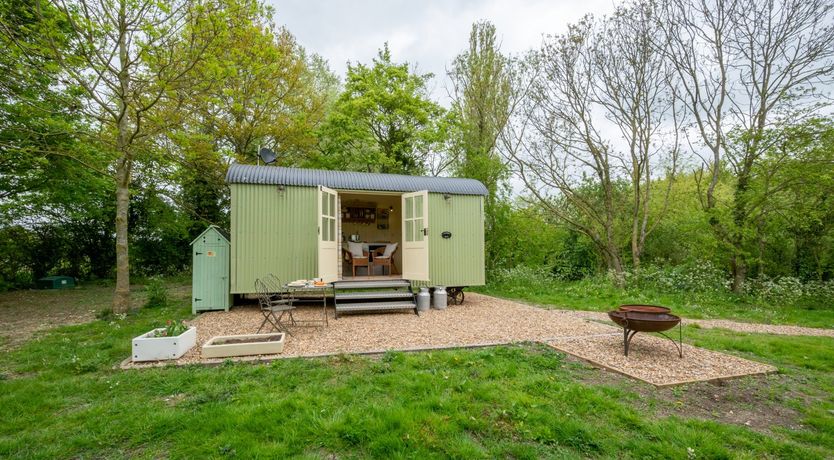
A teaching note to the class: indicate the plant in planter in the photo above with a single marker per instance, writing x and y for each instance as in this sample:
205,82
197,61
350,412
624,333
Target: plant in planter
171,329
169,342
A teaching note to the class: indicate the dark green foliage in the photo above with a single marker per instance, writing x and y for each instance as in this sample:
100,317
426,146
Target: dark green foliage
383,121
692,290
156,293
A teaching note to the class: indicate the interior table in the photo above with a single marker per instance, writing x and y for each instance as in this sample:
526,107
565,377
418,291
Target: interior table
311,293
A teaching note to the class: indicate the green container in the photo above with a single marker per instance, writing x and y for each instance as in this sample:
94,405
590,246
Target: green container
210,274
56,282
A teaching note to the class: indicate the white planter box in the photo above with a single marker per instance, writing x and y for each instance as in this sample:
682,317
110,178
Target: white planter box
244,345
149,348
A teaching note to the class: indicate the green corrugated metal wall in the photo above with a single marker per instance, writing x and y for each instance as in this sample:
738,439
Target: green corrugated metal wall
272,231
459,260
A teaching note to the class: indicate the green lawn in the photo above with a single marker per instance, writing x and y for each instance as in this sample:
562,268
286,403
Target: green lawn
62,397
591,294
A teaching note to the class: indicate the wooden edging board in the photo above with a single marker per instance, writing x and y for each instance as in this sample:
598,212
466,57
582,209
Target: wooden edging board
127,364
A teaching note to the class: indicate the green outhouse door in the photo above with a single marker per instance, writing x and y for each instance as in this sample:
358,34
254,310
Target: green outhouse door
210,274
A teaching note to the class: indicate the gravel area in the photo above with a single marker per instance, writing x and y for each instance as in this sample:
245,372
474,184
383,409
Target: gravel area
655,360
738,326
481,321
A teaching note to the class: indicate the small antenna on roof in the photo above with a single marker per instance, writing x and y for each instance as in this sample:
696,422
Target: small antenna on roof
266,155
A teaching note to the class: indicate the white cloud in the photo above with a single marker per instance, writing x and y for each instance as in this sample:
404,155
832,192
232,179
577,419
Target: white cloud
427,34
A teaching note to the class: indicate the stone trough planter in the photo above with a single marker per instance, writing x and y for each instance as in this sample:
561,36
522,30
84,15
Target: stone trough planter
146,347
244,345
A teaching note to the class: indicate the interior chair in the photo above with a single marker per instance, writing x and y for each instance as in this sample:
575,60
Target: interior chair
384,257
356,257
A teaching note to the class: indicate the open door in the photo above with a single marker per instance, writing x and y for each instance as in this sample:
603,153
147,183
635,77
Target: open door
328,241
415,241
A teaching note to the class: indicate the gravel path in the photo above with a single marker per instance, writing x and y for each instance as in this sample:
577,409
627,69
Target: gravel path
655,360
482,320
738,326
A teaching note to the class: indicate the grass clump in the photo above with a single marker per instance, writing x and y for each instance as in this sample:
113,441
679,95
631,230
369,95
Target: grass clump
156,293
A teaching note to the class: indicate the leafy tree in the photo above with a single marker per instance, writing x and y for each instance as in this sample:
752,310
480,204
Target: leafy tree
262,90
795,223
125,57
482,92
591,136
42,132
383,121
483,98
748,70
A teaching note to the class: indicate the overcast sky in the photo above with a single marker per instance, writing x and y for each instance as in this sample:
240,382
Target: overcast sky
428,34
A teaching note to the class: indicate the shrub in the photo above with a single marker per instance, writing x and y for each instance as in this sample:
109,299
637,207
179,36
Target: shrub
157,293
522,275
695,276
789,290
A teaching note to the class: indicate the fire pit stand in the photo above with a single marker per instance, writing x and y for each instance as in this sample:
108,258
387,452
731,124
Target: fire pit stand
634,321
629,334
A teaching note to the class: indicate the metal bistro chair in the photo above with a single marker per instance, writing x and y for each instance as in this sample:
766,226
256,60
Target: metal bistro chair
275,305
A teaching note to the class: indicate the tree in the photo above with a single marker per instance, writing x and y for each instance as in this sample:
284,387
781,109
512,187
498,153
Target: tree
40,122
125,57
483,97
255,87
481,94
567,155
54,212
791,191
383,121
747,69
265,91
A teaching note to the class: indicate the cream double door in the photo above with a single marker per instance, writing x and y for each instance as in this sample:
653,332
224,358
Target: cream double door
414,243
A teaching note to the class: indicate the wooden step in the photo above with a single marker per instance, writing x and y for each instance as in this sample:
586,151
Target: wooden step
375,306
371,284
368,295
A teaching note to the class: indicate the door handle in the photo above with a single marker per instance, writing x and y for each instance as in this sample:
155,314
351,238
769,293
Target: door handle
425,231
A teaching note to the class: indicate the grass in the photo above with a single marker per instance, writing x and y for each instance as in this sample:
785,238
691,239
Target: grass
62,398
593,294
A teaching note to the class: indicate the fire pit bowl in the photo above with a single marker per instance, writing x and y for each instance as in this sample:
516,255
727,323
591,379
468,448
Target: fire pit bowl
634,321
644,308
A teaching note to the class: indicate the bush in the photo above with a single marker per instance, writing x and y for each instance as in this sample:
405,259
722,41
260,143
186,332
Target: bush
696,276
157,293
522,275
789,290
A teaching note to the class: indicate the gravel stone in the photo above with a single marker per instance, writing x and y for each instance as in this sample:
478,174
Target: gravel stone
655,360
481,321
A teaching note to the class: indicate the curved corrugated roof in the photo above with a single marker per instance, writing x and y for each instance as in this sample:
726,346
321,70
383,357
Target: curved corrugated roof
350,180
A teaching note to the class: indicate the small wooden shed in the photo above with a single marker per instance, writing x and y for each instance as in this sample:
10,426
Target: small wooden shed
210,275
295,223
